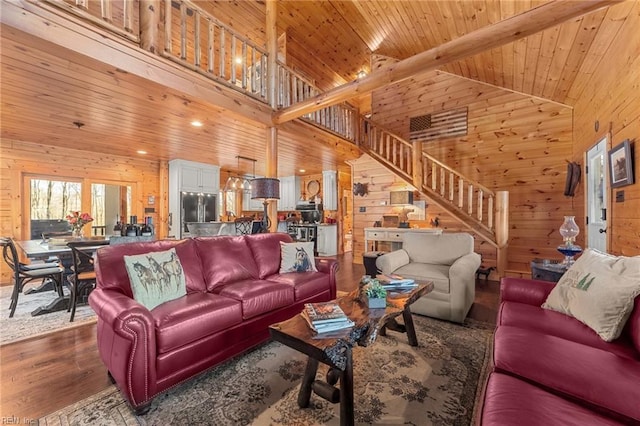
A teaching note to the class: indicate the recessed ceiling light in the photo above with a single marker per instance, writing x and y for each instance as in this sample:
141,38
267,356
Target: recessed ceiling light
196,123
302,170
238,60
361,74
141,151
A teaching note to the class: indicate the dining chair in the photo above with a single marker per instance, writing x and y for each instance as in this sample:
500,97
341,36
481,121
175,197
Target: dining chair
291,226
83,277
24,273
243,225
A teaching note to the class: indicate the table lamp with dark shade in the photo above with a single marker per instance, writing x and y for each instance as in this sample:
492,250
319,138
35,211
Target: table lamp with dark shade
265,189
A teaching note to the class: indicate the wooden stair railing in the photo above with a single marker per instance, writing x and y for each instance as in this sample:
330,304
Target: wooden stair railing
470,203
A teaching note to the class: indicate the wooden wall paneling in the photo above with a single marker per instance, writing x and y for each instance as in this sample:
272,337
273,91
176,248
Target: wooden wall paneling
607,95
18,158
515,143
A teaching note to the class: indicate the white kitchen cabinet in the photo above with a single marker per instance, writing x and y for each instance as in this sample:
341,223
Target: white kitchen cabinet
330,190
189,176
327,240
289,193
251,205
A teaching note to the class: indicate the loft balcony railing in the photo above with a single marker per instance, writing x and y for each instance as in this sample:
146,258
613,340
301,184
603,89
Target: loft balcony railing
118,16
198,41
339,119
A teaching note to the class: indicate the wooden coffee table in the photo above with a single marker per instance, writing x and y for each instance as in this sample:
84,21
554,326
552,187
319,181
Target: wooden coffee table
335,351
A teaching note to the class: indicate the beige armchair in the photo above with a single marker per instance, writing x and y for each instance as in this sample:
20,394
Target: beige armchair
448,260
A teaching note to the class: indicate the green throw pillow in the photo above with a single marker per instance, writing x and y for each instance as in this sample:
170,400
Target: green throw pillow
155,277
599,290
297,257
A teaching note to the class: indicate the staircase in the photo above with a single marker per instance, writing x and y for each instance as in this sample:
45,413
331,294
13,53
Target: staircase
474,206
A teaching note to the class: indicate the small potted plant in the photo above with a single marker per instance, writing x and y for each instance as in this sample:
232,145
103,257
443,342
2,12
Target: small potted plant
376,295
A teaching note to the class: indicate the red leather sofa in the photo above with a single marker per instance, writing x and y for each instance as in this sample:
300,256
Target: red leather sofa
550,369
234,292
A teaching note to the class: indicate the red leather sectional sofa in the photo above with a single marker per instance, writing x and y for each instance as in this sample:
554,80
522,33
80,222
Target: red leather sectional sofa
234,292
550,369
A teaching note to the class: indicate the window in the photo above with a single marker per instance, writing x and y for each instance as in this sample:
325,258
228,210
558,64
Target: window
50,202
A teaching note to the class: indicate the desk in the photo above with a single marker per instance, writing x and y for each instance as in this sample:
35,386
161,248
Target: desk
39,250
391,235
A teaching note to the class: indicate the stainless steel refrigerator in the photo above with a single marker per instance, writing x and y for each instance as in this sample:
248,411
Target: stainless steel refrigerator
197,208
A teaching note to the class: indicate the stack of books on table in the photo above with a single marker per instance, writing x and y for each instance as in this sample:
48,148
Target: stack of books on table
396,282
325,317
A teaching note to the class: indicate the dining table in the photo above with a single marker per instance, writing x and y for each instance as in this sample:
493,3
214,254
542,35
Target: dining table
42,250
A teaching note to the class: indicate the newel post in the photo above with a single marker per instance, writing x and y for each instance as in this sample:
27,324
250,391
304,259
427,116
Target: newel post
502,230
416,167
150,25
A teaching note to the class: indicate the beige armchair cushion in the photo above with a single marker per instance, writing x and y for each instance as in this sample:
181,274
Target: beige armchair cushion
443,249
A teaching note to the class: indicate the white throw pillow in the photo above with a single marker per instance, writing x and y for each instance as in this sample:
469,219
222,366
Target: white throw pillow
599,290
156,277
297,257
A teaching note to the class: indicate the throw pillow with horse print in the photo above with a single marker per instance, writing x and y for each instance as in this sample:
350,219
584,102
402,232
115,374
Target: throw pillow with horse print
297,257
155,277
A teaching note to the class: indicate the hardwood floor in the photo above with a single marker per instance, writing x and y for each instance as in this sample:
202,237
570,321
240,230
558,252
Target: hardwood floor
41,375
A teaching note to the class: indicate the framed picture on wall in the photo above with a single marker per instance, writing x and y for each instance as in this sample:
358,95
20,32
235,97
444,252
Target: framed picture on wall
621,165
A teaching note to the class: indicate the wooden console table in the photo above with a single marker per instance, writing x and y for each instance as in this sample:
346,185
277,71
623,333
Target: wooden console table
391,235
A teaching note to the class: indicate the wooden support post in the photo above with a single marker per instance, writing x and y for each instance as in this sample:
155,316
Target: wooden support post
272,171
502,230
272,79
272,51
162,227
416,166
149,25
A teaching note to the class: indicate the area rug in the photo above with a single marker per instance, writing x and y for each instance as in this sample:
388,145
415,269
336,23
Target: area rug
433,384
24,326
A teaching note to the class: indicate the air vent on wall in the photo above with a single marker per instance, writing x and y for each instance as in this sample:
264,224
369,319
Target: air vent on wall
443,124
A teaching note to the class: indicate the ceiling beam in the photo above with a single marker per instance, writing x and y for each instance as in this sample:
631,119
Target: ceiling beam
506,31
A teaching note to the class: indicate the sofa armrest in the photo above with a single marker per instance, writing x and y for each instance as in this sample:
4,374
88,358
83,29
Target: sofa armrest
328,266
126,342
389,262
525,290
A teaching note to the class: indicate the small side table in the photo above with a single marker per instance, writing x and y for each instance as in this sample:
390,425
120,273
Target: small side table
547,270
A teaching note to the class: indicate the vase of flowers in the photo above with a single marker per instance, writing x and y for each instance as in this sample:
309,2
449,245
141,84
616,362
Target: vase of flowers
77,221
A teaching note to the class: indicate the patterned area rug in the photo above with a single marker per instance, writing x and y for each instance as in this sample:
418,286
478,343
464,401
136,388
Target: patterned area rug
24,326
433,384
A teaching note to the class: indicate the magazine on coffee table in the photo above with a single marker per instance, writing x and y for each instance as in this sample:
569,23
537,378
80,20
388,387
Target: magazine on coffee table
396,282
324,312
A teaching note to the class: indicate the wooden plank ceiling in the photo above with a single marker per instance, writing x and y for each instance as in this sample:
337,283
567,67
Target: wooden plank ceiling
44,90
